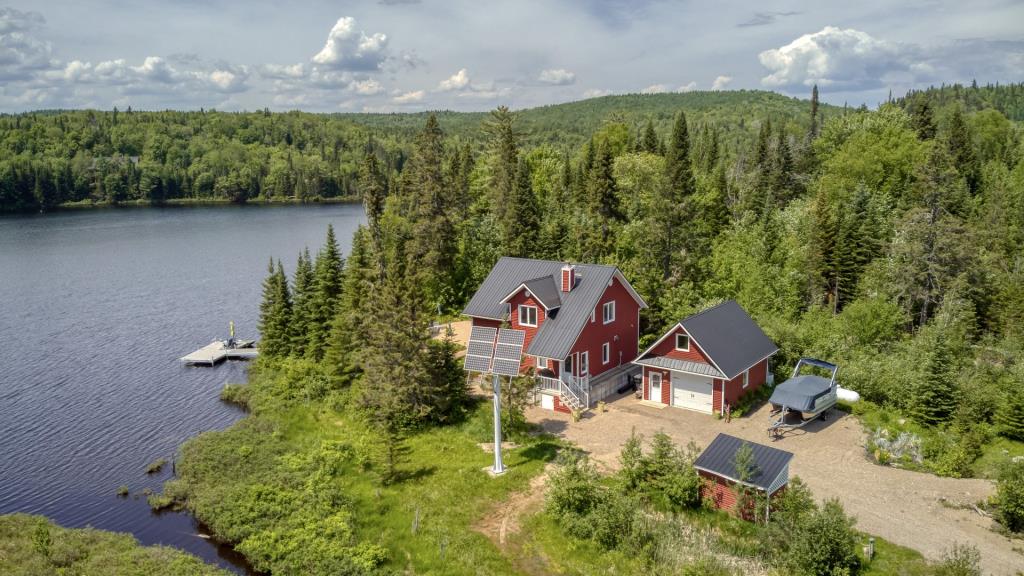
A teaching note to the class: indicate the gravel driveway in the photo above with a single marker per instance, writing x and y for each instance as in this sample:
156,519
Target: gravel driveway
901,506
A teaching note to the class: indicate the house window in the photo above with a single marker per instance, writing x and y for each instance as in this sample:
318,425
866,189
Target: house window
584,363
527,315
608,312
568,365
540,363
683,342
746,378
606,353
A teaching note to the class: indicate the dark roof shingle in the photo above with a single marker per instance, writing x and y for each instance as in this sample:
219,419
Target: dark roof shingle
730,337
720,456
546,290
559,331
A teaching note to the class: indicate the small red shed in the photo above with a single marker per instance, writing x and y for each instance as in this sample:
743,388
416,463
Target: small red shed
716,466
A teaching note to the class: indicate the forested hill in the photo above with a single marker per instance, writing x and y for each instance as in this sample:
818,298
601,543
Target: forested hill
56,157
572,123
1007,98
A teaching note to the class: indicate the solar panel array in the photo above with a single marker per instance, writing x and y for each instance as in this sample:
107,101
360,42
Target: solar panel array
508,352
483,356
480,349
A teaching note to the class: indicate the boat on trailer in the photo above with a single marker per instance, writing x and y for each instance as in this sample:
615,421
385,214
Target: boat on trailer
803,398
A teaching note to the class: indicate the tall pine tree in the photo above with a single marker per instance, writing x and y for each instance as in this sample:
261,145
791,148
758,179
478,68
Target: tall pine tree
327,271
275,313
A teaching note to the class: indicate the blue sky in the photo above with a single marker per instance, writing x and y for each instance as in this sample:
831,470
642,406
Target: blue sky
398,55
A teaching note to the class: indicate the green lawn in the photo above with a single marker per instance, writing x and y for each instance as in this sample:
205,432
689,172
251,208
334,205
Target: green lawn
301,478
32,545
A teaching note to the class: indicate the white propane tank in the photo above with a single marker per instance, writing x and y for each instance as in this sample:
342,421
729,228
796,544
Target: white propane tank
846,395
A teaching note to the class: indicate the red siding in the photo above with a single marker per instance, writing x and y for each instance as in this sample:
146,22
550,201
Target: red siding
734,389
723,495
487,322
666,387
667,348
594,334
559,407
568,279
523,297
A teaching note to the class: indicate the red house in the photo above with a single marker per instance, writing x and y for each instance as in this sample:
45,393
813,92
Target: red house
582,325
715,355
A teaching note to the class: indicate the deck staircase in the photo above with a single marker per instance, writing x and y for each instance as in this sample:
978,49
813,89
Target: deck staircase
573,391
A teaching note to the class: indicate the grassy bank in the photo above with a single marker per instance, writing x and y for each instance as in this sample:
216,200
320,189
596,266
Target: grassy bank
295,487
32,545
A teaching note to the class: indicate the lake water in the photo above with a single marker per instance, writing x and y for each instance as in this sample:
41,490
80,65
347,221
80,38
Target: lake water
96,307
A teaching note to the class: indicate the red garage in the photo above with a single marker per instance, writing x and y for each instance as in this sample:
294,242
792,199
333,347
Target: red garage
716,465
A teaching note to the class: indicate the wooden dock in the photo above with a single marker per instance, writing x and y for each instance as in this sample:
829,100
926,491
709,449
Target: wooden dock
218,351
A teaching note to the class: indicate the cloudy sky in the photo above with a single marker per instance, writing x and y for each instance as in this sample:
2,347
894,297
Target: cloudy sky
396,55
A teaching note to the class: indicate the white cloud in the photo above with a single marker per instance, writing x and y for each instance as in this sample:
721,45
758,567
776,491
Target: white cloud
596,92
557,77
410,97
721,82
689,87
457,81
655,89
283,71
22,53
155,75
369,87
350,49
837,58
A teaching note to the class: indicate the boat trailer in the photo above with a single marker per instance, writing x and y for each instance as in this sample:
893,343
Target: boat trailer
803,398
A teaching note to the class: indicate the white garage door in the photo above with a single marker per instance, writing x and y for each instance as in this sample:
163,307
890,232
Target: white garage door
693,392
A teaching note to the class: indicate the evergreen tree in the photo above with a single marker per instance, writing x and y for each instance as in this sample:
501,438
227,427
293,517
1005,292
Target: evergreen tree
650,142
1009,415
933,398
961,148
922,118
327,271
603,204
302,302
524,216
678,163
813,132
275,313
670,205
348,329
374,190
504,146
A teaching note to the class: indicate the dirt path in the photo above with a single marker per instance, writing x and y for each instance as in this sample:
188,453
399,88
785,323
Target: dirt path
901,506
503,523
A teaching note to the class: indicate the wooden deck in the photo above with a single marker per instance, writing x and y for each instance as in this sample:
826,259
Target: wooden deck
217,351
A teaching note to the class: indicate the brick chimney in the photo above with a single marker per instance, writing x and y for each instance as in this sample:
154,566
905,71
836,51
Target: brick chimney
568,277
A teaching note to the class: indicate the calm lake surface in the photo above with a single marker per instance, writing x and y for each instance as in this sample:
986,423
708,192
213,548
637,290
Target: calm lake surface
96,307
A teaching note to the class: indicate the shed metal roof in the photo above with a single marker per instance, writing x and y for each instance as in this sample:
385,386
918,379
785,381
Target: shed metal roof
680,365
559,330
720,456
730,337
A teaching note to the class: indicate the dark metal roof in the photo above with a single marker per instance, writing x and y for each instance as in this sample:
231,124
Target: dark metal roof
546,290
559,331
720,456
730,337
679,365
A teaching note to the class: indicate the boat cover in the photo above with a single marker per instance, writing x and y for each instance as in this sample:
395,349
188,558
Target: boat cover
800,393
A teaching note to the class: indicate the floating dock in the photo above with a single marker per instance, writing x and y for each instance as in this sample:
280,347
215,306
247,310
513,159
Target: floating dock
220,350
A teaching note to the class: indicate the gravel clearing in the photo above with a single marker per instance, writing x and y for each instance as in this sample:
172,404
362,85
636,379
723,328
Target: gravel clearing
913,509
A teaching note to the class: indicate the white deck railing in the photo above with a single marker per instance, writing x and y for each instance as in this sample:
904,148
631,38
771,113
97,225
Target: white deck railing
575,389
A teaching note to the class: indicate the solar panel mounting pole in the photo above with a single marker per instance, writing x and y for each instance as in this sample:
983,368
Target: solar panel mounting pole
499,466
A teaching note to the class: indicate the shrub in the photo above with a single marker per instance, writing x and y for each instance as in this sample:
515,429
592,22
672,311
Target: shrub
824,544
156,465
665,476
573,490
1009,497
237,394
961,560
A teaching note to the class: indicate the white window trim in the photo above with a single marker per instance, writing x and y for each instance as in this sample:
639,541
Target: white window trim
584,363
604,312
593,315
687,349
606,353
746,378
524,307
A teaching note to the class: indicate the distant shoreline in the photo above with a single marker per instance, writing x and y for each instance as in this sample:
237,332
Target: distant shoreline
89,204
